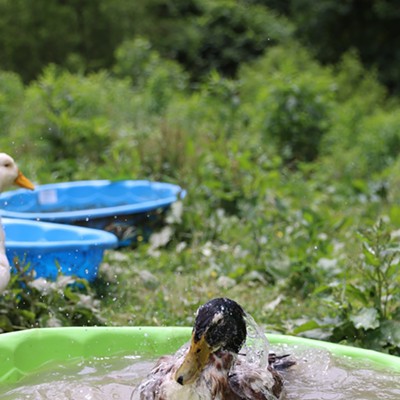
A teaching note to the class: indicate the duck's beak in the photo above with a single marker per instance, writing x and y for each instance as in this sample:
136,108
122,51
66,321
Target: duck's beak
193,362
23,181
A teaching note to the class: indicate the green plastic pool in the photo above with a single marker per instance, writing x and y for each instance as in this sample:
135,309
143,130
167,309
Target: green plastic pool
26,352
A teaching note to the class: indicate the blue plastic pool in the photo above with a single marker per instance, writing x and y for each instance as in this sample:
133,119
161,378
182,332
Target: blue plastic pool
126,208
50,248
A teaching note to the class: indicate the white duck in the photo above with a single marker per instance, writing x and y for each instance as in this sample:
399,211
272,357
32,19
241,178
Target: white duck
9,175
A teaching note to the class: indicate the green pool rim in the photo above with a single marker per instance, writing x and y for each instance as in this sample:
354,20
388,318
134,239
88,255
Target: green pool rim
26,352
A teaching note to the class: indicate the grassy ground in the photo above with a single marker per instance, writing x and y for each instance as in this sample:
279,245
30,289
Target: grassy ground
140,291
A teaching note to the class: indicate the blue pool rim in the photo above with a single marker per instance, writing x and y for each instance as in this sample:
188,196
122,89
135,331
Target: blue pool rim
177,193
91,237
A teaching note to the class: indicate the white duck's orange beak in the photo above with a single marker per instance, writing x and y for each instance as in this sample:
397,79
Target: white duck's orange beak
23,181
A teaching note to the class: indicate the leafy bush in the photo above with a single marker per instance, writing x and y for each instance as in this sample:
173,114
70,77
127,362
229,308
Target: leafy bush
85,125
231,32
357,84
379,141
11,96
370,28
33,303
72,121
359,96
70,117
35,32
158,78
369,302
299,116
201,34
365,147
292,98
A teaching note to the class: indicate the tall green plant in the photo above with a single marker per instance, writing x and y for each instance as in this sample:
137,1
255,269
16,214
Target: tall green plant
368,300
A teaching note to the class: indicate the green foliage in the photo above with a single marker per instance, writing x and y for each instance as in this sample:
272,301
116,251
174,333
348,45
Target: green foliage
369,305
71,121
33,303
83,36
293,103
359,95
158,78
379,140
11,95
202,35
358,84
361,138
278,239
31,34
231,32
371,27
298,116
71,118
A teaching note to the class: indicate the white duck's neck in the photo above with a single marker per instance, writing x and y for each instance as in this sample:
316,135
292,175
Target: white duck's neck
2,239
4,264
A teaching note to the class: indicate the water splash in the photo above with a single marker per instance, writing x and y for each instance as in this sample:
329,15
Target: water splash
257,346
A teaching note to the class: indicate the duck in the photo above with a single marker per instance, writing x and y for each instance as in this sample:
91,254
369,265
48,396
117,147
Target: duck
212,366
9,175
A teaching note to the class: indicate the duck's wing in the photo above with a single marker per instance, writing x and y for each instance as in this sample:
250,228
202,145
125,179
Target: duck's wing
150,387
251,383
281,362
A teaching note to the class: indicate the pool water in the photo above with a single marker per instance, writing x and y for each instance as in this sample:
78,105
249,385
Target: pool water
96,379
318,375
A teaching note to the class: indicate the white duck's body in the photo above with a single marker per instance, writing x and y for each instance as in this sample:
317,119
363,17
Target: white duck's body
9,175
4,265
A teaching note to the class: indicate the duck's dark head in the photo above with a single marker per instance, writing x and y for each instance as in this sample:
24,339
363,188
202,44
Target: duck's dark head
220,325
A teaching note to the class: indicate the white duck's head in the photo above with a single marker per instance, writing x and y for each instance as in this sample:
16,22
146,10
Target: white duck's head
11,175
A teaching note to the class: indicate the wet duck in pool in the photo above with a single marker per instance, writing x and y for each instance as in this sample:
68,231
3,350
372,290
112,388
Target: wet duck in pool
211,367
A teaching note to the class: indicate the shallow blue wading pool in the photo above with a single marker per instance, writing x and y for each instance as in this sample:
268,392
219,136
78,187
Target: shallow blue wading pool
50,248
130,209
